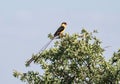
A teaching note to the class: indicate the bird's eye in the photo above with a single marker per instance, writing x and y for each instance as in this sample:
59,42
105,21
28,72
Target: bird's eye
64,23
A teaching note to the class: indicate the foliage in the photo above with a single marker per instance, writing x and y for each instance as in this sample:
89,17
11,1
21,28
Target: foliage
75,59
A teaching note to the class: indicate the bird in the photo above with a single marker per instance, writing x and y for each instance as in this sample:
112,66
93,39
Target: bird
58,33
61,29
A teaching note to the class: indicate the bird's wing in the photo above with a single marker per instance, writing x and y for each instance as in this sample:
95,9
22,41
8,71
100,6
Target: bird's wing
59,31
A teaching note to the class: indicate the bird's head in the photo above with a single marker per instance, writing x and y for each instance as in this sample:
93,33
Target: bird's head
64,24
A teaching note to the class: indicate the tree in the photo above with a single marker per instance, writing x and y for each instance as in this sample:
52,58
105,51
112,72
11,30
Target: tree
74,59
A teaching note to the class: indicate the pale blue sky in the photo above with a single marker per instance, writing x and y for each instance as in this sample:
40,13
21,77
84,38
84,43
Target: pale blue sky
25,24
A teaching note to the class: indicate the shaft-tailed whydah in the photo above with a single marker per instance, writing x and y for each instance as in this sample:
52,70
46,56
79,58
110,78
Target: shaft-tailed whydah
58,33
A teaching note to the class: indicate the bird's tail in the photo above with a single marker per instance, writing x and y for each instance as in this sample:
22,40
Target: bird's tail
42,49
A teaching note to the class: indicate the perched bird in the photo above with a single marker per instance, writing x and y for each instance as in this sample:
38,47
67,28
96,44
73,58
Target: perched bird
61,29
58,33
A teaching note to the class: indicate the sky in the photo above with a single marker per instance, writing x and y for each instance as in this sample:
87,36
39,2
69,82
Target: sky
25,25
